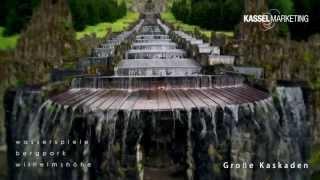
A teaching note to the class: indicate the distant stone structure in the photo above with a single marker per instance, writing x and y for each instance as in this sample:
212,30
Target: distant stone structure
142,5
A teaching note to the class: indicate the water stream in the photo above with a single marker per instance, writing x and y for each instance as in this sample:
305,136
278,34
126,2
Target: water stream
187,143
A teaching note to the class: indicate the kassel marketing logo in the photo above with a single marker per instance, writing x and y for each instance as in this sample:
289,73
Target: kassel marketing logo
269,19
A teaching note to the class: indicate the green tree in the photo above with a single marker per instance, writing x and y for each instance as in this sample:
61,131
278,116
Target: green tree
302,31
123,8
104,11
201,13
93,12
14,14
79,13
182,11
18,14
209,14
3,12
234,9
284,6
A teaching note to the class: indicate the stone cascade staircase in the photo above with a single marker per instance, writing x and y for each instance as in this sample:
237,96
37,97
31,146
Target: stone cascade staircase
104,54
202,52
153,53
159,76
208,55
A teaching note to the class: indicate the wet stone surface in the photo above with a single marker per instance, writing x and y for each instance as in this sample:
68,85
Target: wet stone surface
137,126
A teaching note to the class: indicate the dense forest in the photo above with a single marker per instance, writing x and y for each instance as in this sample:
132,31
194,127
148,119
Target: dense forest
209,14
15,14
226,14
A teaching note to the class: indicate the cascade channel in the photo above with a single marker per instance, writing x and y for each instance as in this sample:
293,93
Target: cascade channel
158,117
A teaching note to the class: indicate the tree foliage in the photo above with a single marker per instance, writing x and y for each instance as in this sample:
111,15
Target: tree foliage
15,14
312,8
209,14
91,12
226,14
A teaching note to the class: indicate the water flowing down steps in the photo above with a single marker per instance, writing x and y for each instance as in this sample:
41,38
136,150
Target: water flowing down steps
158,117
157,75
